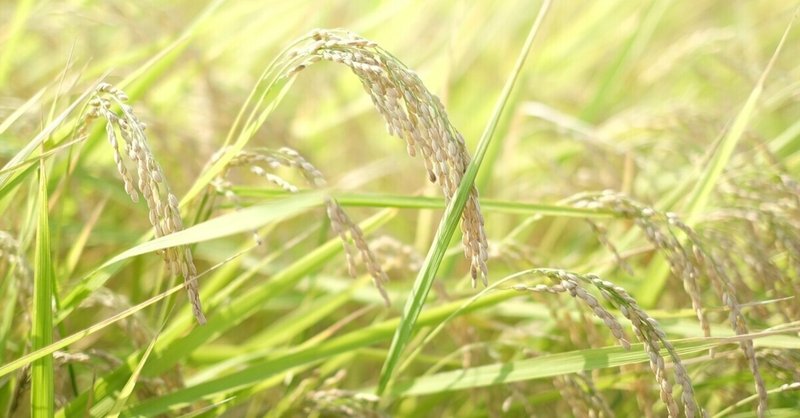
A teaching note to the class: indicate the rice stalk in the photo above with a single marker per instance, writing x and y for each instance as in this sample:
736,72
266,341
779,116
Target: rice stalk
23,383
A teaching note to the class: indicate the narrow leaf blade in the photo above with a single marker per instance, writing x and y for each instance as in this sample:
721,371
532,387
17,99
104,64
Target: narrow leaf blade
42,386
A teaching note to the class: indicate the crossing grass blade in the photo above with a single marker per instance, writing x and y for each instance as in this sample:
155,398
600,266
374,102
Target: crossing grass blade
379,200
536,368
565,363
127,390
42,376
47,351
244,220
450,220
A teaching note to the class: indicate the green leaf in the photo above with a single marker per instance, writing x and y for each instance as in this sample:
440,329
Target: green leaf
127,390
537,368
179,340
39,139
237,222
380,200
42,381
285,360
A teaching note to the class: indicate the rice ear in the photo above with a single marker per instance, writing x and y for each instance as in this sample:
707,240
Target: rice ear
645,327
162,204
349,233
412,113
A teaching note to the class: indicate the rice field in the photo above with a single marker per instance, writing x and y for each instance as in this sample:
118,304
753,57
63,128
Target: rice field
399,209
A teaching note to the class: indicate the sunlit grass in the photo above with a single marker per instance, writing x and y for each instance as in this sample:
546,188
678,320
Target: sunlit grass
653,144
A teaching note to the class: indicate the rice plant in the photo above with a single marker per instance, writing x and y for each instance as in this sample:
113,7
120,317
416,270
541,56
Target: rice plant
631,209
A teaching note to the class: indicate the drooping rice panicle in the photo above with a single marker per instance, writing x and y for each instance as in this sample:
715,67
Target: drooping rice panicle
162,205
413,114
353,240
689,257
568,283
652,224
650,333
645,327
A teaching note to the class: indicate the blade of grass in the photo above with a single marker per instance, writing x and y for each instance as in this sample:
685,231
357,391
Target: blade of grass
555,365
285,360
7,188
788,142
42,379
44,155
280,332
296,322
127,390
379,200
180,339
439,327
244,220
614,76
537,368
450,221
79,243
